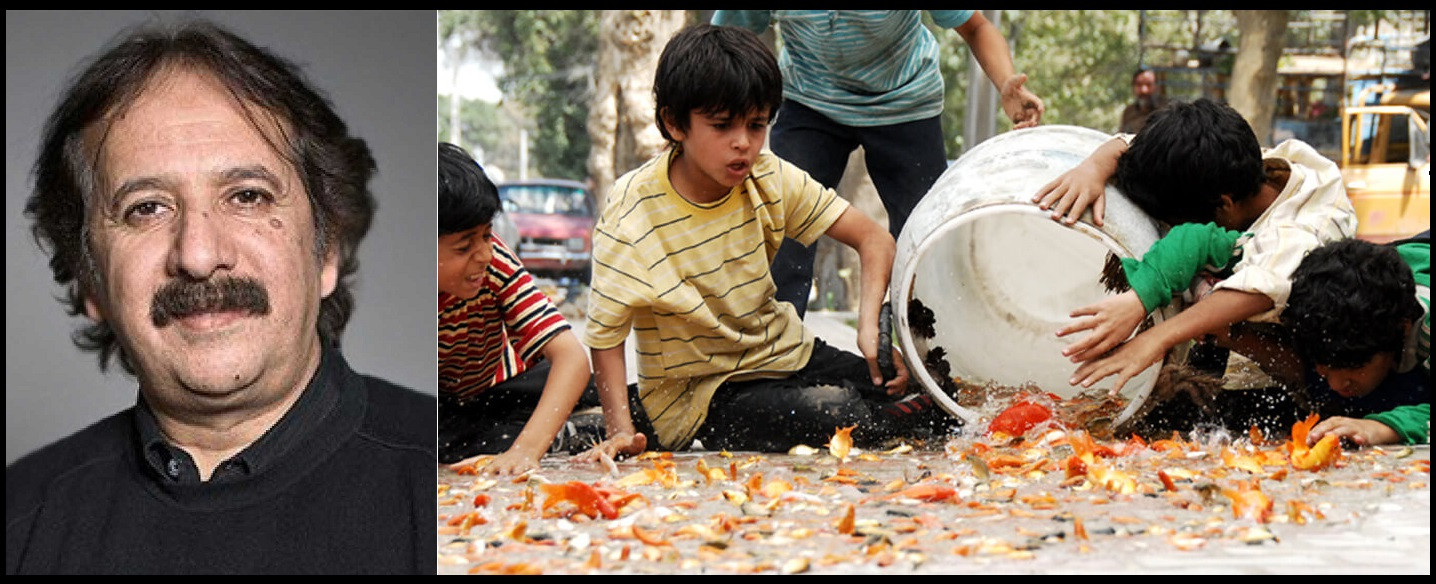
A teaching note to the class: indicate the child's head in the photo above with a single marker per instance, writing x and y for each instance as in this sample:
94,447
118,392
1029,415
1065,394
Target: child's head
714,70
468,201
1351,305
1186,157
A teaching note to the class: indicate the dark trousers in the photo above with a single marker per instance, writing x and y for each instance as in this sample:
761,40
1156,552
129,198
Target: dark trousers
834,390
489,422
904,161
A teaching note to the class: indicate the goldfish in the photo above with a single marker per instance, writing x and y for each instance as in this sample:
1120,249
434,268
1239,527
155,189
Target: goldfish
1248,501
1021,416
581,495
841,444
1317,457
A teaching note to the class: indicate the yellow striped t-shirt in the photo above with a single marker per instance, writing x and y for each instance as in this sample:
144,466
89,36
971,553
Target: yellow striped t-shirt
692,283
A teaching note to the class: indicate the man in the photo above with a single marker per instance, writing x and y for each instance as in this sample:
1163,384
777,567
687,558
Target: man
870,78
203,206
1144,101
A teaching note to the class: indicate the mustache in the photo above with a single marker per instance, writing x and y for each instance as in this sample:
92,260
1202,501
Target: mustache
181,298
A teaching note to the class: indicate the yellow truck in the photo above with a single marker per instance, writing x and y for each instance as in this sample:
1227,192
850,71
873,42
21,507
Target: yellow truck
1386,161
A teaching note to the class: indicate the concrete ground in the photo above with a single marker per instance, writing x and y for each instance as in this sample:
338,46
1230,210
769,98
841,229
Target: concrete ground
967,504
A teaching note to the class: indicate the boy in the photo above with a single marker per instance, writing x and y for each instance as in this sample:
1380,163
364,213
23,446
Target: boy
1360,320
681,260
494,324
1201,163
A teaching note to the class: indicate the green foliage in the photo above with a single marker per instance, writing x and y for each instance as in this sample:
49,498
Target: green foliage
1079,62
488,135
548,58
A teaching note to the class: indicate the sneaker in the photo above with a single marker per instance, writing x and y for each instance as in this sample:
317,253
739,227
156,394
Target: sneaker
582,430
922,413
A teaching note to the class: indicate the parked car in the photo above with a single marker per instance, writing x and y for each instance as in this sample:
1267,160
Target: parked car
555,220
506,229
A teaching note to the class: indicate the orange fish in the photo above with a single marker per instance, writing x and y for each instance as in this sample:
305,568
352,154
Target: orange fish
927,492
1326,451
846,524
1248,501
1018,418
582,496
841,443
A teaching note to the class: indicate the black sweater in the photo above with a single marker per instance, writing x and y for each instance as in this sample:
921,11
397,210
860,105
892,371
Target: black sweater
349,489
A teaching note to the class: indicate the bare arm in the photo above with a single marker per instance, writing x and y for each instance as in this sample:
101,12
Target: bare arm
1361,431
568,374
609,375
876,250
1211,315
1085,185
1023,107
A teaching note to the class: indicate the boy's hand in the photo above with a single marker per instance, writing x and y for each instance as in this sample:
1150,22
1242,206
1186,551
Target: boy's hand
1113,320
512,462
619,445
1023,107
1070,194
1130,359
868,346
1362,432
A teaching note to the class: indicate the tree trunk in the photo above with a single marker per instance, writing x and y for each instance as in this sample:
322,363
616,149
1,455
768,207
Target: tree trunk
1254,78
621,118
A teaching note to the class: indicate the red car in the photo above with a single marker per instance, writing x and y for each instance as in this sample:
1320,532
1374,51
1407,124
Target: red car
555,220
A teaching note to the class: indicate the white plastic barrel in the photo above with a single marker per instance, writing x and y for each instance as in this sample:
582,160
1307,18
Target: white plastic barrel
1000,276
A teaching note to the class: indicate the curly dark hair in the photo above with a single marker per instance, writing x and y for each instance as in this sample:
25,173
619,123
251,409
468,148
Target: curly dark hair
1349,301
712,70
1186,156
334,166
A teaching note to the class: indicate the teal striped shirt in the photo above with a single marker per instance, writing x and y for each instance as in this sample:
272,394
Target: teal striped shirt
858,67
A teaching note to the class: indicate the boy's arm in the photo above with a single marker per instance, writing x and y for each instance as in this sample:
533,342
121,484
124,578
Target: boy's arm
568,374
610,377
1022,106
1408,424
1085,185
1364,432
876,250
1210,315
1167,268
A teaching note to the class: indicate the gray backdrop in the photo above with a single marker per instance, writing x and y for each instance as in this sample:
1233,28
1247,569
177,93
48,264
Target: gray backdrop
379,70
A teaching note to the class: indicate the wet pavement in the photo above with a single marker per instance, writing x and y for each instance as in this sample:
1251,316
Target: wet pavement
1202,503
969,507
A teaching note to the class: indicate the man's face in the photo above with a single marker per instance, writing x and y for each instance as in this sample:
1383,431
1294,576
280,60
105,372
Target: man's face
1144,87
190,194
1361,380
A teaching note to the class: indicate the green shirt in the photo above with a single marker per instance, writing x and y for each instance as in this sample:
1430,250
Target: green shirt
1413,423
1170,265
858,67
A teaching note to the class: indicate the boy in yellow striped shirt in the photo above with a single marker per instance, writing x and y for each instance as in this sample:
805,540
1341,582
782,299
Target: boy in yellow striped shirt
681,261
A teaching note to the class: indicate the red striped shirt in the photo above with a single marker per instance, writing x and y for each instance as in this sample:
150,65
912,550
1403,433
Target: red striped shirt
498,333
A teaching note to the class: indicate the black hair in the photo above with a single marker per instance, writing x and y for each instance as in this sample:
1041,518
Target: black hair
467,198
1185,157
1349,301
334,166
712,70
